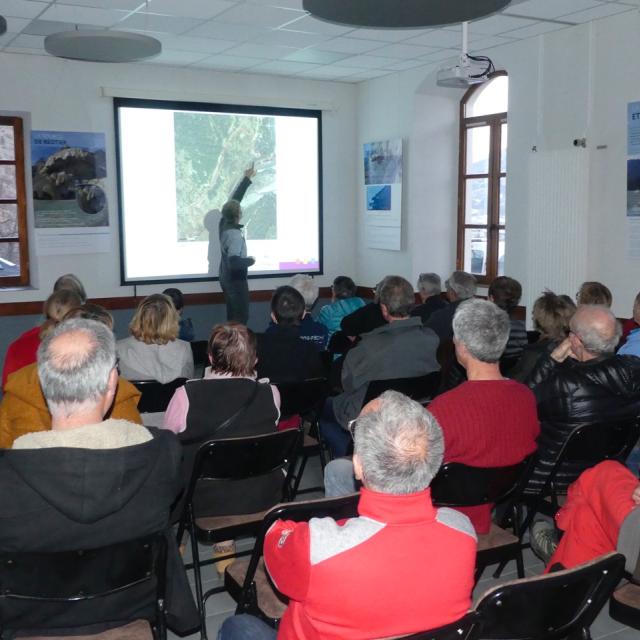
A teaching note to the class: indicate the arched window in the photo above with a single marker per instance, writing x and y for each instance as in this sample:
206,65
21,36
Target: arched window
483,178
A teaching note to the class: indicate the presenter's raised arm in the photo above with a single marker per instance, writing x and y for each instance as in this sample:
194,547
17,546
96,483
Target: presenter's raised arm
245,183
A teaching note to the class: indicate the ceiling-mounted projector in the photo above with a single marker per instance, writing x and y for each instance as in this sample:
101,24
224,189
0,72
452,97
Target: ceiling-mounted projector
470,70
467,72
3,25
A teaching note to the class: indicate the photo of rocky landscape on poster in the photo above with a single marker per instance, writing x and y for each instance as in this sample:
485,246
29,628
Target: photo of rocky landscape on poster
68,172
211,155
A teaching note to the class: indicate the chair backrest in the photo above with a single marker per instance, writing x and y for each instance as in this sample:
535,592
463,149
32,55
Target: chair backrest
460,485
155,395
28,581
594,443
467,628
550,606
240,458
199,351
421,388
337,508
302,398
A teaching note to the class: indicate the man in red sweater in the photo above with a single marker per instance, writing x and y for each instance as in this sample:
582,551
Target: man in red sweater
336,574
488,421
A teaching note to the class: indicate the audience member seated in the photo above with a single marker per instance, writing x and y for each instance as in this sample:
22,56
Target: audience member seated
594,293
204,409
600,515
506,293
153,350
23,350
429,290
71,282
310,330
365,319
185,325
403,566
91,482
551,315
282,354
344,302
582,382
488,421
459,286
23,408
402,348
632,323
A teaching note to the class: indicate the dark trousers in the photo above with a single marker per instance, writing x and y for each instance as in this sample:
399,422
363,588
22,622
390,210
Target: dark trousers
334,435
236,296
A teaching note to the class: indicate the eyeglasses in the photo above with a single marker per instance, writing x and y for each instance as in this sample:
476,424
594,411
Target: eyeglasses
351,427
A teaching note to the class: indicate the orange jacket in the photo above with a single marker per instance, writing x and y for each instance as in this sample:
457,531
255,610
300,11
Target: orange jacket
24,409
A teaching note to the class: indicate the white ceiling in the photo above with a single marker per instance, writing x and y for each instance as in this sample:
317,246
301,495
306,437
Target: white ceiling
279,37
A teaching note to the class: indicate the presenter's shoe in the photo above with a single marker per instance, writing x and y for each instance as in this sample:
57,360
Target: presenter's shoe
220,550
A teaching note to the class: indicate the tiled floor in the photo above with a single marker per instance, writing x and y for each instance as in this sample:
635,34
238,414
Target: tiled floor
220,606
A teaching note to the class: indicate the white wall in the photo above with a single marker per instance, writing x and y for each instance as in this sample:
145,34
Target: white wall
568,84
66,96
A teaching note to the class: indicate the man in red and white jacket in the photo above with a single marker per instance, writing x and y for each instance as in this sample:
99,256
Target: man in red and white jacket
403,566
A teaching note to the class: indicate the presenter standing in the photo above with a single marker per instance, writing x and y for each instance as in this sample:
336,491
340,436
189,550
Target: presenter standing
233,253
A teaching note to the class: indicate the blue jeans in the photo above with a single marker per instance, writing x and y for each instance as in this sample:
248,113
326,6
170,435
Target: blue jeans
339,479
246,627
334,435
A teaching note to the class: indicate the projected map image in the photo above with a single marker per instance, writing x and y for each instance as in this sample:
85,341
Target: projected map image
211,155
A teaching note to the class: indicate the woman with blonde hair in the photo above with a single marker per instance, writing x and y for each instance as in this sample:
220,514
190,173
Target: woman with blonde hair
24,350
153,351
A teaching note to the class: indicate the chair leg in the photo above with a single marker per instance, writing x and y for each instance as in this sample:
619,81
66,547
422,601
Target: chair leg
296,484
198,580
520,563
498,572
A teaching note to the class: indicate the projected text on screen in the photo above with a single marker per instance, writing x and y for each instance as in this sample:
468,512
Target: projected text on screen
180,162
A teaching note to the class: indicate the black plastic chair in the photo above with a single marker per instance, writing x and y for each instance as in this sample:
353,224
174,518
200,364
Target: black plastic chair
247,581
459,485
422,389
553,606
467,628
306,400
155,395
624,605
585,447
36,586
199,351
229,460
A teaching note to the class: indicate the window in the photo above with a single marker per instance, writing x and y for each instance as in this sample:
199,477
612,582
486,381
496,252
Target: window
14,254
483,179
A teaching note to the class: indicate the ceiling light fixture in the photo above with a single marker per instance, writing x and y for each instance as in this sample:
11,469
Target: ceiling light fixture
102,46
403,14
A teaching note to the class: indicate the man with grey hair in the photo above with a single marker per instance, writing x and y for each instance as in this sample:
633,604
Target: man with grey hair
332,572
310,330
487,421
402,348
582,382
459,286
429,289
91,482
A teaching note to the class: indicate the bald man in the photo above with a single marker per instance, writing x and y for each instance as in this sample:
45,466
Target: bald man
582,382
90,482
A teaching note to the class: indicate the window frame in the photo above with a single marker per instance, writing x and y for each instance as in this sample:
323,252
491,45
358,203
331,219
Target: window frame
20,201
494,175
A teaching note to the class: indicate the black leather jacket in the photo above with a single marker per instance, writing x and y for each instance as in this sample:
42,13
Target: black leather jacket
572,394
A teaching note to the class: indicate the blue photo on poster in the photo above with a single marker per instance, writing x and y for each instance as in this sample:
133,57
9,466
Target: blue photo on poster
633,128
633,187
379,197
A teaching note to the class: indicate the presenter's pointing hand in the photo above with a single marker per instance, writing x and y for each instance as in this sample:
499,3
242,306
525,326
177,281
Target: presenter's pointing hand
251,171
